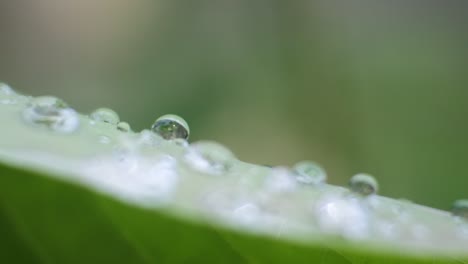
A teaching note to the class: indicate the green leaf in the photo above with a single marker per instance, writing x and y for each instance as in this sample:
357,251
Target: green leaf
99,195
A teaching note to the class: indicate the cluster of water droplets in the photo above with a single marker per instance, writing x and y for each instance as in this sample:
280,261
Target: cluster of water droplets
158,166
105,115
53,113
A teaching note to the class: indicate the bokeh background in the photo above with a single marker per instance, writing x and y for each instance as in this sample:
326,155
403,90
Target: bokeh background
358,86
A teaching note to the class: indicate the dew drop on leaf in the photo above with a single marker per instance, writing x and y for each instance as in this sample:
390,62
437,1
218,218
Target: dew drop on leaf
209,157
309,173
105,115
123,126
460,209
363,184
51,112
171,127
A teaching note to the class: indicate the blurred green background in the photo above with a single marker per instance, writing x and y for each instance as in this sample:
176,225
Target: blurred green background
358,86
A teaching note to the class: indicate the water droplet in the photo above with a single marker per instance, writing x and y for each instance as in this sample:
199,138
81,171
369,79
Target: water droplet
309,173
105,115
460,209
210,157
363,184
53,113
123,126
171,127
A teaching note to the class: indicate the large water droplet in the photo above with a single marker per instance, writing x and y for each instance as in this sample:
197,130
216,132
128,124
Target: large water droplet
460,209
309,173
105,115
171,127
123,126
53,113
210,157
363,184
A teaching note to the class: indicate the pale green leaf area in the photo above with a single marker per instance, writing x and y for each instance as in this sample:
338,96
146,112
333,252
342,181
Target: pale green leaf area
100,195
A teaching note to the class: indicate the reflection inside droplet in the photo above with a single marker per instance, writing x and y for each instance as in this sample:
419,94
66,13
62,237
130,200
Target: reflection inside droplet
105,115
309,173
171,127
363,184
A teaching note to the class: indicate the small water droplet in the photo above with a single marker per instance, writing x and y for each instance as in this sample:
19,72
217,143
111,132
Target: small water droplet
460,209
171,127
105,115
363,184
53,113
123,126
210,157
309,173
